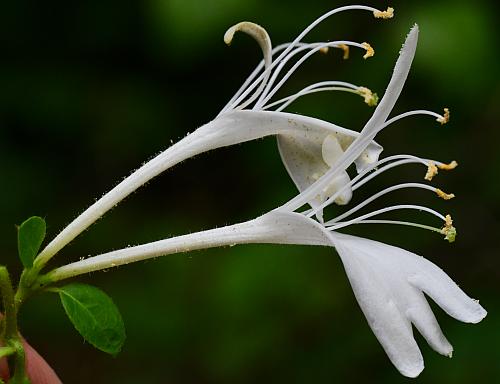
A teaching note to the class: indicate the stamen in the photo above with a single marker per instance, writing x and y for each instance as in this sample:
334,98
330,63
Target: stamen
449,230
384,210
388,14
443,195
252,76
432,171
397,222
410,113
261,36
294,43
317,87
445,118
360,179
376,196
345,48
370,98
369,50
448,167
268,93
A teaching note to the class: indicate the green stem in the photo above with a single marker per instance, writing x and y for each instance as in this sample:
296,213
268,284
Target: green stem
10,332
9,304
19,376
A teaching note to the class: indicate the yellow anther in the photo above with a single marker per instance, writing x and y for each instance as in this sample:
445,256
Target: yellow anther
370,98
369,50
345,48
449,230
448,167
448,221
388,14
443,195
445,118
432,171
324,50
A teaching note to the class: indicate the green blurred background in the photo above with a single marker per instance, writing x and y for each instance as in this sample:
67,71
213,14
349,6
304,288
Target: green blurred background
89,90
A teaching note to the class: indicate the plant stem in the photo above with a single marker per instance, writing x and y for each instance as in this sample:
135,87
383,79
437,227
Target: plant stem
11,335
9,304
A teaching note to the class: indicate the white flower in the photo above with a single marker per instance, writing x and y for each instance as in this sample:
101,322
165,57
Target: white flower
389,283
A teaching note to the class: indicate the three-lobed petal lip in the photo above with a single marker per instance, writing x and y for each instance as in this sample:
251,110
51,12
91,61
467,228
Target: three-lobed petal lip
389,284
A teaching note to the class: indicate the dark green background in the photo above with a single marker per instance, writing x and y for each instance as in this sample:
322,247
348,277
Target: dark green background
91,89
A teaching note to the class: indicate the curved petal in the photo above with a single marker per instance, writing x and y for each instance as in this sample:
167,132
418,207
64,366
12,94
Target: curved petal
395,86
388,283
374,292
437,284
372,127
424,320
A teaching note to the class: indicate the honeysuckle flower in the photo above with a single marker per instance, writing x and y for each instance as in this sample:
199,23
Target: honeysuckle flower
308,146
389,283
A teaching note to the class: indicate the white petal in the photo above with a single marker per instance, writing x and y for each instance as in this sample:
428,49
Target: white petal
304,160
368,157
375,296
399,75
420,314
283,227
437,284
240,126
388,284
371,128
339,182
331,150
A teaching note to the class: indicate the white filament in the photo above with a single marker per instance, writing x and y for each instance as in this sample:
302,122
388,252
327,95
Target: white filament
384,210
316,87
376,196
265,97
244,94
360,180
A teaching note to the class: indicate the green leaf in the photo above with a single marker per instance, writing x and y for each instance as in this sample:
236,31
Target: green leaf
30,236
94,315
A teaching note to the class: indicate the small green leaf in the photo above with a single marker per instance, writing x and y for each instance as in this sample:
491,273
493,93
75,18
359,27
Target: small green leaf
94,315
30,236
